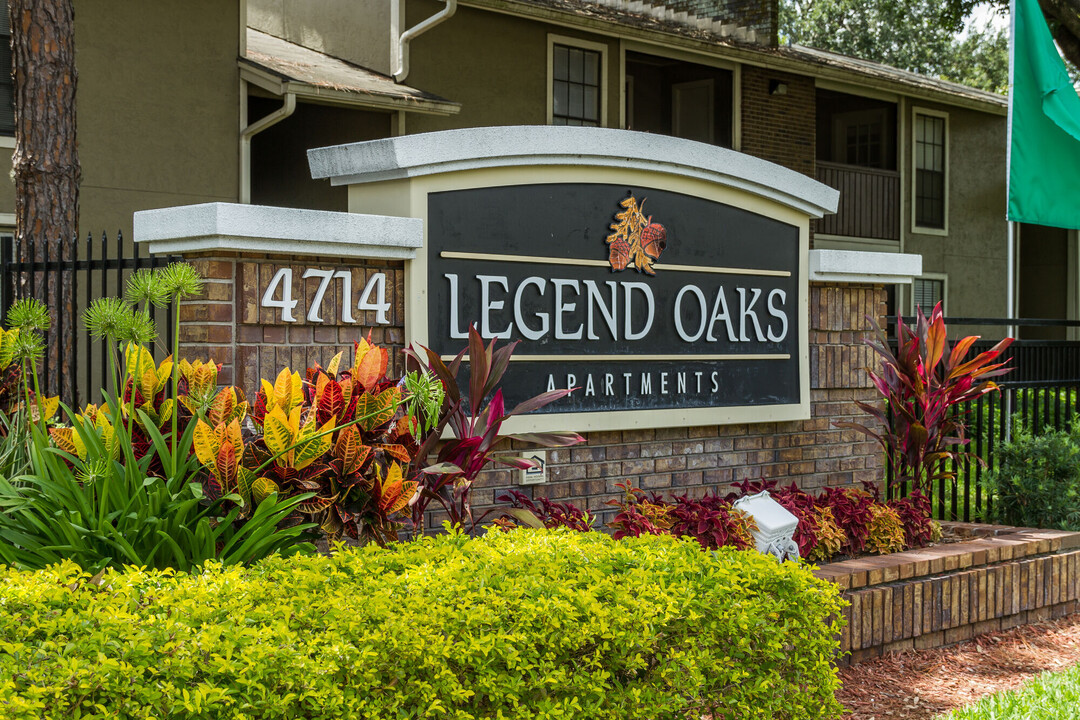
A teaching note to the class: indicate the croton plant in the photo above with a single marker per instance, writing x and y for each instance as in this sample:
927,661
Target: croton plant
376,454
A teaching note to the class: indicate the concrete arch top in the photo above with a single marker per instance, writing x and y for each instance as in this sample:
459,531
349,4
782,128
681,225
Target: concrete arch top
488,147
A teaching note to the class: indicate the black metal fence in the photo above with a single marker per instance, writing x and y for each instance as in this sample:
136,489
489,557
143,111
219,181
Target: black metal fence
77,369
1041,393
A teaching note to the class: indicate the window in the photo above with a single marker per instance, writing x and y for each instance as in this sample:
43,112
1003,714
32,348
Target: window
931,170
926,292
576,70
7,89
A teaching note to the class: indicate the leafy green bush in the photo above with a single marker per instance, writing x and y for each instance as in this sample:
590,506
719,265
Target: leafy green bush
526,624
1037,483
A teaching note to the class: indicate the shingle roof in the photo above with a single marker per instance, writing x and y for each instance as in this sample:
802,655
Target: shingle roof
644,16
325,78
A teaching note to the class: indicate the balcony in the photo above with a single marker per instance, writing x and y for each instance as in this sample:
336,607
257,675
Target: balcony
869,202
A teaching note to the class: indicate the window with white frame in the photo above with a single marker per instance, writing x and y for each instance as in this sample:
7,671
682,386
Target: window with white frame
931,161
926,292
576,82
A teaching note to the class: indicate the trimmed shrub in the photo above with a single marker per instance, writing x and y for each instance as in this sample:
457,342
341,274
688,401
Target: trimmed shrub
1037,482
525,624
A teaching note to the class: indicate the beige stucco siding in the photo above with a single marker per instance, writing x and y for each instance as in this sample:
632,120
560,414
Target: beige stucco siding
158,106
494,65
977,232
356,30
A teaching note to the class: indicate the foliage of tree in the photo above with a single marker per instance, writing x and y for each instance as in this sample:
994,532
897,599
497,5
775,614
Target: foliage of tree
915,35
1063,17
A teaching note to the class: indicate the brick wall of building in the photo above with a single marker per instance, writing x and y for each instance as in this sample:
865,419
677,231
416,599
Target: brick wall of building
779,128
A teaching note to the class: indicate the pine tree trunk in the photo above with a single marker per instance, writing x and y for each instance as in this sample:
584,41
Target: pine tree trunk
46,164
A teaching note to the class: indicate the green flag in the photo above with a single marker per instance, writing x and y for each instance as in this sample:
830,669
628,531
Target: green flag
1044,126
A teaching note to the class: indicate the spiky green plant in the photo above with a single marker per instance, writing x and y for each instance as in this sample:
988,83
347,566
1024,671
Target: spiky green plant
424,396
179,281
30,318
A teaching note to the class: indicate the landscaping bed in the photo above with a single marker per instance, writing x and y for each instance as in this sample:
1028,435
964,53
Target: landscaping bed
947,593
922,684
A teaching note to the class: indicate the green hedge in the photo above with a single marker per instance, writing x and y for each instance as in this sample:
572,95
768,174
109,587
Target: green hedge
528,624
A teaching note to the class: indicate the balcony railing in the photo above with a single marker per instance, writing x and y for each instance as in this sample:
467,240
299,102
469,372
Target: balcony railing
869,202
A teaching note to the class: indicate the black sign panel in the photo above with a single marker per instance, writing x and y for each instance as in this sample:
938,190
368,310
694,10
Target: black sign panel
646,299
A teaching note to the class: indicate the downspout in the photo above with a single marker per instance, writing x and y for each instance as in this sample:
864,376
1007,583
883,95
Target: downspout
401,50
246,133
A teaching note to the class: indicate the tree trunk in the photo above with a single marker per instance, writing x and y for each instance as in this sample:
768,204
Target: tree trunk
1063,16
47,172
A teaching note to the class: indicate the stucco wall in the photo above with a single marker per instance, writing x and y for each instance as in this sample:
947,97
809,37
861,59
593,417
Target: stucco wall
357,30
973,254
158,107
495,65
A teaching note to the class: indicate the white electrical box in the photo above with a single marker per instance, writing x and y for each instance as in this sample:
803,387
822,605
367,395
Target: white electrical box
775,525
536,475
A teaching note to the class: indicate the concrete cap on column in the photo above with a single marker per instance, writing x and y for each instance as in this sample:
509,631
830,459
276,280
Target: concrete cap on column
285,231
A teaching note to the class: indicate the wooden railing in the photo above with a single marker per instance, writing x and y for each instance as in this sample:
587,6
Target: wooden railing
869,202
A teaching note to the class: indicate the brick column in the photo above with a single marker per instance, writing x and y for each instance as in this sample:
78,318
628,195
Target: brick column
240,249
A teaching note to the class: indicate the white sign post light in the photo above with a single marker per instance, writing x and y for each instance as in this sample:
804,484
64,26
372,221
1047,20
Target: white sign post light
775,525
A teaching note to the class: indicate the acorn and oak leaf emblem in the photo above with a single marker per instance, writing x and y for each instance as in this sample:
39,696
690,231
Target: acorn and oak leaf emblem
636,241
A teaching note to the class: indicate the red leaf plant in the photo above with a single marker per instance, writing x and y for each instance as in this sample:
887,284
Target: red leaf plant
924,385
711,520
851,511
475,420
915,513
548,514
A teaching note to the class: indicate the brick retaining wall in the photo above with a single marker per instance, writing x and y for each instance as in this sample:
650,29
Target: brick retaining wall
949,593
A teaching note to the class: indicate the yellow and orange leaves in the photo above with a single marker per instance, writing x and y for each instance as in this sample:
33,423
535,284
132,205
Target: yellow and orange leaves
45,410
201,379
209,440
350,450
148,377
375,410
394,492
221,449
69,440
228,405
201,376
331,397
7,346
369,365
293,444
287,392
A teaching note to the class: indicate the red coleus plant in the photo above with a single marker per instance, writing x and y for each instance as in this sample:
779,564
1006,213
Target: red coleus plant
851,511
924,385
549,514
711,520
475,421
915,514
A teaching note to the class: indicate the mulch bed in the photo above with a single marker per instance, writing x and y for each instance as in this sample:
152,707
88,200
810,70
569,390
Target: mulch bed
921,684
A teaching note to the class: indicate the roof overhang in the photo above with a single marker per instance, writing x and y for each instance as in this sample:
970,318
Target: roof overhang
781,59
280,67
